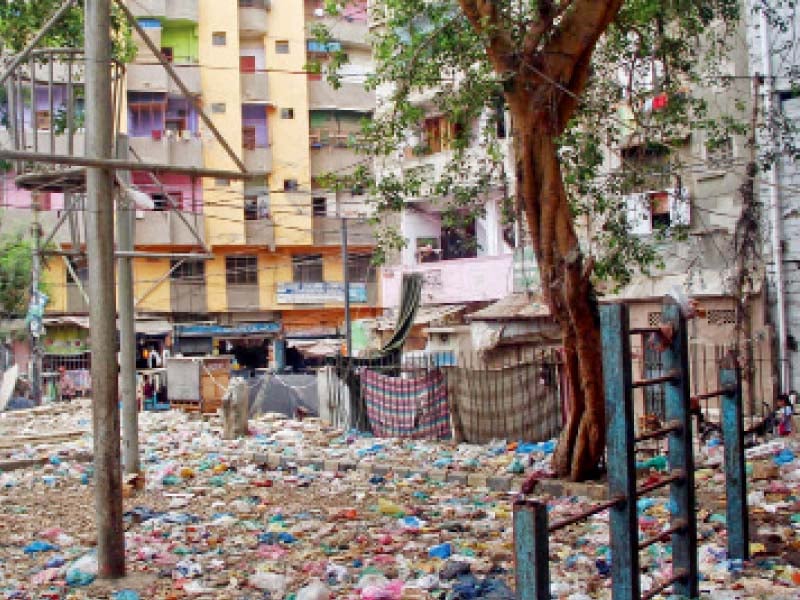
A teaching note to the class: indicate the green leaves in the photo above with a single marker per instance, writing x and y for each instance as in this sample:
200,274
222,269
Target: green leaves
21,20
15,274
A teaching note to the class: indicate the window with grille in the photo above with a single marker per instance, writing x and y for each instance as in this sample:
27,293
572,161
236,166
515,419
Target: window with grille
721,317
287,113
720,155
282,47
307,268
219,38
290,185
653,319
249,137
360,268
241,270
80,267
188,270
320,206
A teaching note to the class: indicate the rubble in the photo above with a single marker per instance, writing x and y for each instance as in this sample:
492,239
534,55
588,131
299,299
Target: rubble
304,512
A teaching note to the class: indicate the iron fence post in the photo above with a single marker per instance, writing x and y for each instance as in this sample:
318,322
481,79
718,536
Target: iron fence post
682,492
624,524
735,480
531,551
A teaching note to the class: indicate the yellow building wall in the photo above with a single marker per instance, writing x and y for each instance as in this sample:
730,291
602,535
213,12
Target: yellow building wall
150,286
223,205
288,88
54,276
274,268
216,298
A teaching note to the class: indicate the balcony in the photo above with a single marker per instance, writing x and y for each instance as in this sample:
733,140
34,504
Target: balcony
61,142
181,152
260,232
253,17
332,159
255,87
147,78
456,281
190,76
350,96
181,10
188,297
352,33
242,297
327,232
258,160
155,227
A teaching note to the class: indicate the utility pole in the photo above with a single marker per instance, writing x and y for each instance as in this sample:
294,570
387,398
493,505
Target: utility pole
33,315
127,329
102,308
348,330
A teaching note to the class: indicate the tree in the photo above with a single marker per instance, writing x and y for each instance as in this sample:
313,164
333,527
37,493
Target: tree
563,68
15,273
20,21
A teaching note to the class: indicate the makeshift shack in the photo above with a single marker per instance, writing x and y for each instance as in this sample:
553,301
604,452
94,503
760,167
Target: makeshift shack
197,383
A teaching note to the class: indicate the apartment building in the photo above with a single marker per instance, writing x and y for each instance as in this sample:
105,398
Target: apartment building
268,259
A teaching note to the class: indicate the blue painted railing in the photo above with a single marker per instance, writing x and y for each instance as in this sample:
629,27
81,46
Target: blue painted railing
531,526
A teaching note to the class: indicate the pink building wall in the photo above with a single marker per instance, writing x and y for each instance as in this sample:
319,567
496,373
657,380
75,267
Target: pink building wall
454,281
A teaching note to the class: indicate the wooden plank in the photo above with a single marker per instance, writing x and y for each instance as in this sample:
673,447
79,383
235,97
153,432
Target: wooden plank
735,479
623,520
681,456
531,551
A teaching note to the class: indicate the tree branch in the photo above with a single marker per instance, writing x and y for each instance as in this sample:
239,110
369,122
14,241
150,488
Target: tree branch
485,20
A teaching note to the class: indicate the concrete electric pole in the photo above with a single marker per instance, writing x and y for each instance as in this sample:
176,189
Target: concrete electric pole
102,308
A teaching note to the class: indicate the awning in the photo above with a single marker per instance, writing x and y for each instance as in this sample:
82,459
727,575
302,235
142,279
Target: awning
227,331
157,327
318,348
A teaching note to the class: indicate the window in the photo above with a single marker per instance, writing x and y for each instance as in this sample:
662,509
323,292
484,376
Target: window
219,38
360,268
218,108
256,207
169,54
719,156
290,185
287,113
319,206
428,249
282,47
188,270
249,138
307,268
222,182
661,209
241,270
166,201
247,64
646,168
499,117
438,134
460,241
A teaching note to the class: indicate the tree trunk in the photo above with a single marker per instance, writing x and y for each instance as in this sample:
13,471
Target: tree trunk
567,289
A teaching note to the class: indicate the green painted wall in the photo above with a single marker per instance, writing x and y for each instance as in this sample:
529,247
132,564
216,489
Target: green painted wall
182,38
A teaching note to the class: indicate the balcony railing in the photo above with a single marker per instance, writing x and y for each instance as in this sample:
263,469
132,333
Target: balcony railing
350,96
182,10
327,232
155,227
260,232
255,87
258,160
164,148
253,17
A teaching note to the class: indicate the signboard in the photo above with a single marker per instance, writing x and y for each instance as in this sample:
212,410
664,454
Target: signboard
320,293
224,330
